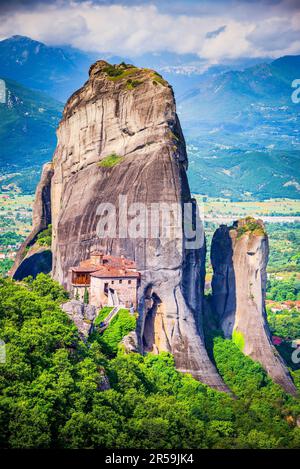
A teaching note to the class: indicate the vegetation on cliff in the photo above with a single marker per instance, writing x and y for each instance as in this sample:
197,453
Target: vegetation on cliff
45,237
137,75
249,225
103,313
120,326
238,339
51,389
110,160
117,72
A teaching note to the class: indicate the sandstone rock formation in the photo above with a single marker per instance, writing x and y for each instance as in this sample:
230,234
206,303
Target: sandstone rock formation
239,256
40,220
104,384
130,342
37,260
82,315
120,135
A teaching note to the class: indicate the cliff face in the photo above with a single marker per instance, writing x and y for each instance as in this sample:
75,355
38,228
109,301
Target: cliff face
36,261
239,257
120,135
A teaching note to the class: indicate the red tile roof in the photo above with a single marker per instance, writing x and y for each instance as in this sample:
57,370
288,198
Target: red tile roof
111,266
111,272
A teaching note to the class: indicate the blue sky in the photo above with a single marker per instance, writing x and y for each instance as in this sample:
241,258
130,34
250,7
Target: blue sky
215,31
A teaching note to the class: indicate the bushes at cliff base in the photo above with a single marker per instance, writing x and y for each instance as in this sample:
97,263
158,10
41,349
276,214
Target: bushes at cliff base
52,388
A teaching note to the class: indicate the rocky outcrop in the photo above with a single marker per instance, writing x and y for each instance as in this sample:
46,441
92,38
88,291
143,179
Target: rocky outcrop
239,256
37,260
120,135
130,342
104,384
40,220
82,315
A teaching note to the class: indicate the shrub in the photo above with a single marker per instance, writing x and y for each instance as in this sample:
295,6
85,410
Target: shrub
250,225
117,72
238,339
103,313
121,325
86,296
159,79
131,84
113,71
110,160
44,238
45,286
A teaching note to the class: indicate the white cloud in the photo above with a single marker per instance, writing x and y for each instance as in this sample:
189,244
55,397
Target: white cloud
132,30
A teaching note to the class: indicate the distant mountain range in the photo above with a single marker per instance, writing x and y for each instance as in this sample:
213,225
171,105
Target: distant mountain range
59,71
52,70
28,120
241,126
243,132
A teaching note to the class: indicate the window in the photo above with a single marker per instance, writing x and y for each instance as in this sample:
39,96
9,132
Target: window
129,282
120,281
112,282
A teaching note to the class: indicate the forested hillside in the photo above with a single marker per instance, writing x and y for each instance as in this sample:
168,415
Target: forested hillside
54,392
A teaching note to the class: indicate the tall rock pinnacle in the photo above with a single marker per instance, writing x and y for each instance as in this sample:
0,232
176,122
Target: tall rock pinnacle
239,255
28,262
120,135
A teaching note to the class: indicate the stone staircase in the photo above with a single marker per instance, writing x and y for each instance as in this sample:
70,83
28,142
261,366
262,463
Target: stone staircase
110,317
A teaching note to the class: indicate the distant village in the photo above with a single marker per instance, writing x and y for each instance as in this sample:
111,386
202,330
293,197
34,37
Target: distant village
15,221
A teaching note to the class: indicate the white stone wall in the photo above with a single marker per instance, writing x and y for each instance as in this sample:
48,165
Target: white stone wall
126,291
97,295
80,290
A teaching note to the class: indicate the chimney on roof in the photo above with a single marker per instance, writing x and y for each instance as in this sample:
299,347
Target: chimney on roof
97,258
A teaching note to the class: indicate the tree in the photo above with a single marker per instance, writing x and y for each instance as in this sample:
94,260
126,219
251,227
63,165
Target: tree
46,287
86,296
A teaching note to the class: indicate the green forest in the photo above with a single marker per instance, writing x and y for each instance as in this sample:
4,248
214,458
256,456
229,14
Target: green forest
283,290
54,389
284,241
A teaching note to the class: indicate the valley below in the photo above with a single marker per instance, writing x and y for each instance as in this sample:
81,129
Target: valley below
281,216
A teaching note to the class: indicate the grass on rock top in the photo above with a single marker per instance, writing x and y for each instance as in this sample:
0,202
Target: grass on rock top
249,225
159,79
118,72
123,70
